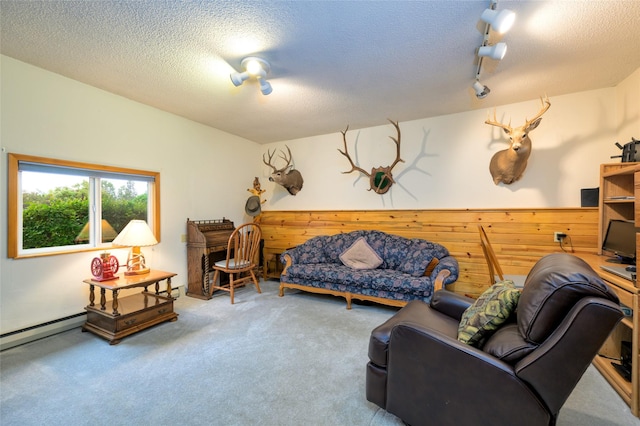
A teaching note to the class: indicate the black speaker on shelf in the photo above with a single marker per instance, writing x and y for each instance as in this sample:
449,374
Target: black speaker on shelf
589,197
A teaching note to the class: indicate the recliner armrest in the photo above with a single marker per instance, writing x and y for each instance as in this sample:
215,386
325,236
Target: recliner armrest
450,303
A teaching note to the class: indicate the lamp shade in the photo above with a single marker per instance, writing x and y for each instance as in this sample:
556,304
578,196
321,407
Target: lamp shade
500,21
136,234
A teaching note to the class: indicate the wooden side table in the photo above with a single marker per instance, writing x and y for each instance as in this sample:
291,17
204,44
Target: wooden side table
272,268
121,317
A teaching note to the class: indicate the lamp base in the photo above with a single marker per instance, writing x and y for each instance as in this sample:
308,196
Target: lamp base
136,264
137,271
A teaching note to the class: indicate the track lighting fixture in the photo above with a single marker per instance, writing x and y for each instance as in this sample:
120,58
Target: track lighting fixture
481,90
500,22
254,68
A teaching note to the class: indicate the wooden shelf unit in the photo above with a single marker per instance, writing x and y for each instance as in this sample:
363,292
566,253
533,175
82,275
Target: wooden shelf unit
626,330
617,180
619,189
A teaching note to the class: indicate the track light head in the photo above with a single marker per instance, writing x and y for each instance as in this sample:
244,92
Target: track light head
237,78
265,86
500,21
481,90
497,51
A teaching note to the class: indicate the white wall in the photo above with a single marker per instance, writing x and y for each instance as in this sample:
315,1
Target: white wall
628,108
48,115
447,157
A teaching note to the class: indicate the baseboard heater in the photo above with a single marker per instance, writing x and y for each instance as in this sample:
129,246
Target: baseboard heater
46,329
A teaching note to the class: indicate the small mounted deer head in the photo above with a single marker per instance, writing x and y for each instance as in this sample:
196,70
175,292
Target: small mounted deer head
291,180
380,178
508,165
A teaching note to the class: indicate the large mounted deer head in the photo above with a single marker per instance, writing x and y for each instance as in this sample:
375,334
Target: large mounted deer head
291,180
380,178
508,165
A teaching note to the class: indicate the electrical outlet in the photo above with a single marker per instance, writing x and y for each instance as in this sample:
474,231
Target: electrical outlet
183,238
558,237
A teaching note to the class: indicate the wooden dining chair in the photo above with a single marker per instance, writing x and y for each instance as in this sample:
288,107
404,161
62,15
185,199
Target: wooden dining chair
490,257
241,260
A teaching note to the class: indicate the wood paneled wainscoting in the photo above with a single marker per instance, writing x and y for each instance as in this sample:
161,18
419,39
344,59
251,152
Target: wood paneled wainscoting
518,236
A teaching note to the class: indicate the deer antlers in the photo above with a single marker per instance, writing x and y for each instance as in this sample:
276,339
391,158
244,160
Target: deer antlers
283,156
346,154
507,128
380,178
545,106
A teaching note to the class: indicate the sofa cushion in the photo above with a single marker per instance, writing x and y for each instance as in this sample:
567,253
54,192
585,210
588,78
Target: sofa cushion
360,256
344,278
312,251
395,249
488,312
554,285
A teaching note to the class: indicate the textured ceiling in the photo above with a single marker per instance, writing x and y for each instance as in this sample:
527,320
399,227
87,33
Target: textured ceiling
333,63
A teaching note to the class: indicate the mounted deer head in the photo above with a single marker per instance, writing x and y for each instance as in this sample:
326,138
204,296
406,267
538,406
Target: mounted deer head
291,180
507,166
380,178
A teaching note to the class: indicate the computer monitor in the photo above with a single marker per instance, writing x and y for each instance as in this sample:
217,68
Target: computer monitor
620,239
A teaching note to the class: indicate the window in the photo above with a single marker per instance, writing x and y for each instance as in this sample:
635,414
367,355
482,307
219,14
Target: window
58,206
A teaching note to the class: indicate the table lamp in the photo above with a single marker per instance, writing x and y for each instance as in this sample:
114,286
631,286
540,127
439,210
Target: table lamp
135,235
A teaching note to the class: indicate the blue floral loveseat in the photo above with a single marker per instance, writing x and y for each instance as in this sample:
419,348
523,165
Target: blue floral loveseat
402,270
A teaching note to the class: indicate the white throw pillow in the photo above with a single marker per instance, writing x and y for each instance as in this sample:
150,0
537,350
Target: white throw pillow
360,255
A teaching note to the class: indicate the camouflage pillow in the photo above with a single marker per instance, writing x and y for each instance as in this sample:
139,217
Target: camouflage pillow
488,312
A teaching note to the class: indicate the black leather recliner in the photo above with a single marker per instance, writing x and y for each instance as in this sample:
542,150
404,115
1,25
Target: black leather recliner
523,373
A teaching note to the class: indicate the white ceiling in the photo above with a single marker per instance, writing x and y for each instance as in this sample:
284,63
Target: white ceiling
333,62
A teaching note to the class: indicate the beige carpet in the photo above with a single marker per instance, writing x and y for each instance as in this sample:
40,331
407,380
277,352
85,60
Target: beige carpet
296,360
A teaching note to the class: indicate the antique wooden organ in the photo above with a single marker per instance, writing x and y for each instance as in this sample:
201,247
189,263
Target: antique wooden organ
206,244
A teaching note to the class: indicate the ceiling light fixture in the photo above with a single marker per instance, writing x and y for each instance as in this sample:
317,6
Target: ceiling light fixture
254,68
501,22
481,90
